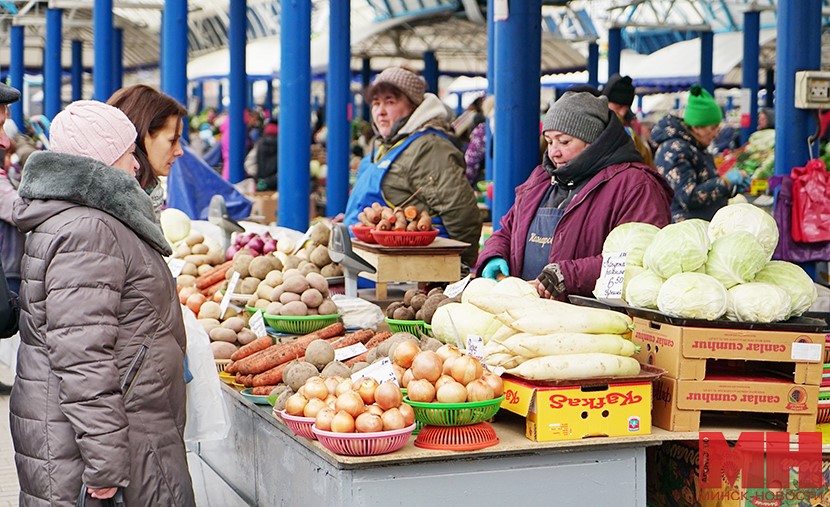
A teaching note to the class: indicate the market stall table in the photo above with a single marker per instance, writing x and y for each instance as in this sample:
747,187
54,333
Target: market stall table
265,463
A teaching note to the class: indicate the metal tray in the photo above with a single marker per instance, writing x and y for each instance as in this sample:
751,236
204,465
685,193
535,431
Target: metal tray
797,324
647,372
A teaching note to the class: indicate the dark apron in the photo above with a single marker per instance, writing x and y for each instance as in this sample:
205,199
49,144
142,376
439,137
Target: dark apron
540,237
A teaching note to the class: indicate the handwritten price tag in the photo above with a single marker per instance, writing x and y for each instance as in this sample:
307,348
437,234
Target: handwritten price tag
349,352
226,299
176,266
457,288
257,325
381,371
475,347
612,276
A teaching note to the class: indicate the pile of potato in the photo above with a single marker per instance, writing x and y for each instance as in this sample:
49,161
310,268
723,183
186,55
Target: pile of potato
227,335
291,293
199,258
418,305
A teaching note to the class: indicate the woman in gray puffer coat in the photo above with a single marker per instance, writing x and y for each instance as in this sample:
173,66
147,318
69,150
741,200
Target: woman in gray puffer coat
99,399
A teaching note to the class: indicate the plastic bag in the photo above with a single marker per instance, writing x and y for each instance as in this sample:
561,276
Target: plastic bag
811,202
788,249
358,313
207,418
192,183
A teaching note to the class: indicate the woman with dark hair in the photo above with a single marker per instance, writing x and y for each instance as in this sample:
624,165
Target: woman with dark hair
158,121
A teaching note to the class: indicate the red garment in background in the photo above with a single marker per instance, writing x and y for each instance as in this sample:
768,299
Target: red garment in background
811,202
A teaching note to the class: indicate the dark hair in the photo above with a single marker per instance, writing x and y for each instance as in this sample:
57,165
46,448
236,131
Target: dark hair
149,110
384,87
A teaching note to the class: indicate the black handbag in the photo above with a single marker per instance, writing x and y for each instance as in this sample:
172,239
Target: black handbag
116,500
9,311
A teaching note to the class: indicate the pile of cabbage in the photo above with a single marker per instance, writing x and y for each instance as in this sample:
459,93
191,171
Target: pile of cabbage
709,270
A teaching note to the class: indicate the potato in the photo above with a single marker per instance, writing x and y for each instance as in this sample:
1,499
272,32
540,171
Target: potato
294,309
319,353
229,274
320,256
261,304
298,374
222,334
273,308
296,284
309,268
320,234
185,280
182,251
331,270
359,366
241,263
276,264
216,256
260,267
246,336
287,297
404,313
230,312
291,272
252,299
390,310
276,293
209,310
312,298
417,302
198,260
327,307
222,350
317,281
208,324
312,311
283,397
373,355
190,269
203,269
336,369
200,249
194,239
248,286
291,262
237,324
274,277
264,290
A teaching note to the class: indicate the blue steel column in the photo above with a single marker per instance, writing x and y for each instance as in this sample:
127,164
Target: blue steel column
52,65
77,69
250,91
518,53
220,96
707,80
749,77
799,48
199,93
337,104
431,71
238,89
491,79
174,50
366,80
295,128
117,58
593,64
16,66
269,95
770,87
102,33
614,50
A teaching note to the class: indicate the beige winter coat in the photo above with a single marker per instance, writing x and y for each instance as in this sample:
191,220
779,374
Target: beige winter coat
99,310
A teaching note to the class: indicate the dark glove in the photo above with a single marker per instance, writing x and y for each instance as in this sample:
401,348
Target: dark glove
552,280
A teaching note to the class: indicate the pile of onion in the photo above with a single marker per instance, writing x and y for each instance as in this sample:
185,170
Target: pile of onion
448,376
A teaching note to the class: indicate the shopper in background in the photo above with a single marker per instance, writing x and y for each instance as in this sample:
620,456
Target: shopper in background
766,118
412,160
620,92
591,180
11,240
266,157
682,158
99,398
476,150
158,121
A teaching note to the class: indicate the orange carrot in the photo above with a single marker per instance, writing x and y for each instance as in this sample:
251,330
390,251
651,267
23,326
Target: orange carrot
255,346
424,222
213,276
410,212
270,377
275,355
262,390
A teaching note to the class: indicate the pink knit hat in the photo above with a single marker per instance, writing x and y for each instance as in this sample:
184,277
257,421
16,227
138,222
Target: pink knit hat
89,128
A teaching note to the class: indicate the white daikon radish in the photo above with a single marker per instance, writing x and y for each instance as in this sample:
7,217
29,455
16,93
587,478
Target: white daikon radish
557,344
554,317
504,360
499,303
576,366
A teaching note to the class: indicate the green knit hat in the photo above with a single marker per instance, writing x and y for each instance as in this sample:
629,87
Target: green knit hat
702,110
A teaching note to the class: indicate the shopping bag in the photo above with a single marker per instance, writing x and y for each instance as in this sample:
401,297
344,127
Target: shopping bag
788,249
207,418
811,202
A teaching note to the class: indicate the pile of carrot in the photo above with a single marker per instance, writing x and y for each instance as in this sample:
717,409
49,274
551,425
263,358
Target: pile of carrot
384,218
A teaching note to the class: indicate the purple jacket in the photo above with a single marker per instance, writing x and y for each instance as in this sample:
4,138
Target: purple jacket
618,194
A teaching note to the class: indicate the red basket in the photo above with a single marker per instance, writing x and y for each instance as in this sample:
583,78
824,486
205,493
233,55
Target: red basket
363,233
403,238
299,425
364,444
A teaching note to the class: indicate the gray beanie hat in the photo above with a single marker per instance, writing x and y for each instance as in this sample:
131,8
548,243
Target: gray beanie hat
578,114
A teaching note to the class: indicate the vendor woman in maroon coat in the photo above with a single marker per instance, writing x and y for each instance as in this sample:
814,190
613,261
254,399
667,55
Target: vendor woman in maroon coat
592,179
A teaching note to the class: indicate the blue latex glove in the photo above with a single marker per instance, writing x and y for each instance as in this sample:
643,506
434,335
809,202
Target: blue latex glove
495,266
735,177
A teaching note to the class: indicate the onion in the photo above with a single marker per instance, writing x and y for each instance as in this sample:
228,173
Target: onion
313,407
407,377
421,390
465,369
388,396
393,420
399,373
343,387
332,383
495,382
269,246
342,422
231,251
452,392
323,419
374,409
315,388
427,365
408,414
448,351
404,353
330,400
479,390
351,403
368,423
366,389
256,244
295,404
448,365
443,379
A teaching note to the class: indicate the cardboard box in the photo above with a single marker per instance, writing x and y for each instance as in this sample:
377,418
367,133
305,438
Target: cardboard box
683,351
265,204
679,403
574,412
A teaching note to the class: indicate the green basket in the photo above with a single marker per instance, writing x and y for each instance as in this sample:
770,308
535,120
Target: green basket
300,325
415,327
454,414
253,310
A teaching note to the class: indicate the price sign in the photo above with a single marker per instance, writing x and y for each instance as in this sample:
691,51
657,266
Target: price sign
226,299
349,352
456,288
810,352
612,276
381,371
176,266
257,325
475,346
301,242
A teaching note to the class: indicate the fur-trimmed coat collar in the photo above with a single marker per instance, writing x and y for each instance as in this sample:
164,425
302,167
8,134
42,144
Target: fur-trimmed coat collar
50,176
